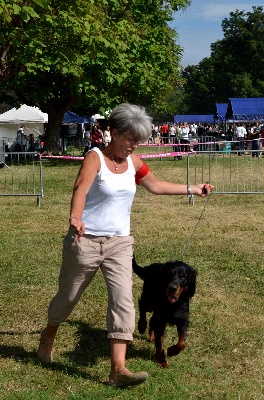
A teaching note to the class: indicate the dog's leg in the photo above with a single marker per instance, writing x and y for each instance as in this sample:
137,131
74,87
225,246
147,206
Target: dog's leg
177,348
156,329
142,322
160,356
151,336
151,331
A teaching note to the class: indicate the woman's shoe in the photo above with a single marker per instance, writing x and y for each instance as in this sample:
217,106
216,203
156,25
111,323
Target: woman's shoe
45,349
126,378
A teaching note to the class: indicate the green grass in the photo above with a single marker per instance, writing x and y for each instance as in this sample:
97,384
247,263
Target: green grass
224,358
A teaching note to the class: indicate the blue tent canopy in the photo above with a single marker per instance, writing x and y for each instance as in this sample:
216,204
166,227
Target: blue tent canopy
221,109
249,109
72,118
206,118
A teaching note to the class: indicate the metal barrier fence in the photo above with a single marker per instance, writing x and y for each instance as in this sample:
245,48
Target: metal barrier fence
222,163
21,174
232,172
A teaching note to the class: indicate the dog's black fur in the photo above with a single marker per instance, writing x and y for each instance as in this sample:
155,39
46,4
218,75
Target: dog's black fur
166,293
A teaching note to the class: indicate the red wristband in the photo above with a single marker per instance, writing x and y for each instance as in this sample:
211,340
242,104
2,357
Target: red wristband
143,170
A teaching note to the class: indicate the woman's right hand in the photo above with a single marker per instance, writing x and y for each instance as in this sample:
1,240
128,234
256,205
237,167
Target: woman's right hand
78,226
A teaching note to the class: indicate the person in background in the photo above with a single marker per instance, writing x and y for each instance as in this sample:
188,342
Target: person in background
241,134
161,133
230,133
157,134
165,133
99,130
184,137
177,142
20,138
172,133
255,139
107,136
99,235
193,129
96,137
153,134
261,128
87,139
200,129
229,136
31,142
42,143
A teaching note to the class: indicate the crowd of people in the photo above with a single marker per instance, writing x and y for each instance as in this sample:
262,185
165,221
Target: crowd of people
170,133
94,136
25,142
243,136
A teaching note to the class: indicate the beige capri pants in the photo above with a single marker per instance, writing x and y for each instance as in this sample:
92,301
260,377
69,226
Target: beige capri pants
80,262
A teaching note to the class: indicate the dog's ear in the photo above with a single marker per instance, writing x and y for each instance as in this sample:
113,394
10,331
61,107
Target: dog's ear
191,283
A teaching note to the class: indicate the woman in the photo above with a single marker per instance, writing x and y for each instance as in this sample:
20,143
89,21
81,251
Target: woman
99,235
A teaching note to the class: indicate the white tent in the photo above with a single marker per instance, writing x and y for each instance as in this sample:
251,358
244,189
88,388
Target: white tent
32,117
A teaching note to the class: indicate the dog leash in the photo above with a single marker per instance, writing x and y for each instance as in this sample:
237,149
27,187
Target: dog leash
203,210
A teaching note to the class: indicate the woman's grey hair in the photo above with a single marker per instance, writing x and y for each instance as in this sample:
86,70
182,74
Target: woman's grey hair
132,119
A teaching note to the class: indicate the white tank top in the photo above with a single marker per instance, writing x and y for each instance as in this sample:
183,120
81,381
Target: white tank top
108,203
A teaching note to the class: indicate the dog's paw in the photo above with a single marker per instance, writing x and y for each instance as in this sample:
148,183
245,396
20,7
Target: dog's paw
174,350
160,358
163,365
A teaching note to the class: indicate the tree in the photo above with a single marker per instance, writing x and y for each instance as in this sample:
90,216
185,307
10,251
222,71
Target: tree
234,69
167,104
14,17
89,57
198,96
238,57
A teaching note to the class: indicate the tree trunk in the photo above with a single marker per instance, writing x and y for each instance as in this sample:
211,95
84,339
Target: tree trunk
52,134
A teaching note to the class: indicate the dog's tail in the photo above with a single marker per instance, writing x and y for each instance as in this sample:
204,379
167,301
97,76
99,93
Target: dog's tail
139,271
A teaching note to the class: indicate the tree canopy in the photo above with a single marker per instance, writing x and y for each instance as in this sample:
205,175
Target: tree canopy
238,58
235,67
86,56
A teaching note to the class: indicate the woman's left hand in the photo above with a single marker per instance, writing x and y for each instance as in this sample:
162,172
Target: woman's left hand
202,189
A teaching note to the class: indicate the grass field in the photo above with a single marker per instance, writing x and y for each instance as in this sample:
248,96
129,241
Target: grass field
224,358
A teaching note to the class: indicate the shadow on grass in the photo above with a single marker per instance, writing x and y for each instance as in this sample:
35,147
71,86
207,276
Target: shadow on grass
19,354
92,345
54,162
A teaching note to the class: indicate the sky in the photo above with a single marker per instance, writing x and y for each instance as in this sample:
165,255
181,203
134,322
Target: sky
200,25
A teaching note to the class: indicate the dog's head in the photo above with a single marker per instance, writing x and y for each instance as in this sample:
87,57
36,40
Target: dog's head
181,280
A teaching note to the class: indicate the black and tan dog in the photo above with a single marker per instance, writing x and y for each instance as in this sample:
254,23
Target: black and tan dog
166,293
